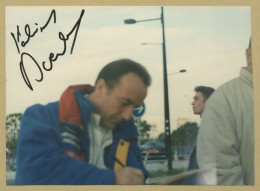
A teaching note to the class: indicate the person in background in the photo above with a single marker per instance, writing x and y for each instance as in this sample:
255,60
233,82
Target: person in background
226,135
200,99
198,104
88,136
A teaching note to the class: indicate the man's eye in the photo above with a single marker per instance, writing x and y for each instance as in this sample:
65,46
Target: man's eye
125,103
138,107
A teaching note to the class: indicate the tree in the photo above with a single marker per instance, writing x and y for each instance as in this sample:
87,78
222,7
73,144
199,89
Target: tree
161,137
12,127
185,134
144,129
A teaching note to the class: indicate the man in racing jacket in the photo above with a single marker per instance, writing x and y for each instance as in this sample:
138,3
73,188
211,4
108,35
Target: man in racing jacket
88,136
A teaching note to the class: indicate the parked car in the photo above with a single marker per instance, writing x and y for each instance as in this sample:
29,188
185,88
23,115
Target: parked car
8,152
153,146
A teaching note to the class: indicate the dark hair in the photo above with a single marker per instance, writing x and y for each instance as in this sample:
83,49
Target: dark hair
206,91
249,46
113,71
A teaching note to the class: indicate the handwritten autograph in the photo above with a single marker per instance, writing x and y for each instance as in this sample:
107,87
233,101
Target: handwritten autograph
52,56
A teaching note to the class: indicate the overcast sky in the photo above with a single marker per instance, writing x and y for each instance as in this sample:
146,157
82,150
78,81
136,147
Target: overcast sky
209,42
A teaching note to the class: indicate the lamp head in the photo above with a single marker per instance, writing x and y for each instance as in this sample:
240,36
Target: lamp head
130,21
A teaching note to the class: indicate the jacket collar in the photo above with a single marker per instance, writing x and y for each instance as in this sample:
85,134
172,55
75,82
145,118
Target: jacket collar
246,76
71,99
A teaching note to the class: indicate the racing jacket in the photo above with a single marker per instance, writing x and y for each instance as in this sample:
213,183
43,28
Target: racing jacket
53,144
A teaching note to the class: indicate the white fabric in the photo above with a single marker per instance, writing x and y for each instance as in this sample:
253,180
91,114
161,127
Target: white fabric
99,139
226,135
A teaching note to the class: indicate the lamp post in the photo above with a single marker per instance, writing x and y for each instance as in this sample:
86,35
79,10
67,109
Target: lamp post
165,82
180,71
153,43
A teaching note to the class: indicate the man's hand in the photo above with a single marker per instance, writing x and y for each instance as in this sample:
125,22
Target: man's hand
129,175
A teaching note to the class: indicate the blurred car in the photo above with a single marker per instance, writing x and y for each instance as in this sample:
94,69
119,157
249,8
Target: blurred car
153,146
8,152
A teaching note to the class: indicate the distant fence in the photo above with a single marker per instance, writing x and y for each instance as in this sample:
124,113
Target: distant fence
178,153
154,157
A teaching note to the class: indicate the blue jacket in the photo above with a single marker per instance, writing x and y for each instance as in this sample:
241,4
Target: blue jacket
196,179
56,153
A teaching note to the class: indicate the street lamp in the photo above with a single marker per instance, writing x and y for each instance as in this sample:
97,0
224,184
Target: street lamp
133,21
166,99
180,71
153,43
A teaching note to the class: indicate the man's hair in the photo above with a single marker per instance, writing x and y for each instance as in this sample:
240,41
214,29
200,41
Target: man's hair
113,71
206,91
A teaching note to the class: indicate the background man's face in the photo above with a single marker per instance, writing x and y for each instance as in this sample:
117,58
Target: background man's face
198,103
249,60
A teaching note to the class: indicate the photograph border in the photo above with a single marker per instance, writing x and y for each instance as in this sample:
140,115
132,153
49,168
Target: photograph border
255,32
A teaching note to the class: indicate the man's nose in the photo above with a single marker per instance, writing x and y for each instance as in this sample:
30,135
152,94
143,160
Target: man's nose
127,113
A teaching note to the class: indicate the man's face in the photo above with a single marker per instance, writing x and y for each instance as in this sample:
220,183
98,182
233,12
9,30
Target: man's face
198,103
117,104
249,60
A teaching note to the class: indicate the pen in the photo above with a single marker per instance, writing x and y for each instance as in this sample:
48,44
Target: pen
118,161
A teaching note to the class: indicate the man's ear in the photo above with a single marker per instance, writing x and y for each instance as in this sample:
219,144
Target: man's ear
248,52
100,87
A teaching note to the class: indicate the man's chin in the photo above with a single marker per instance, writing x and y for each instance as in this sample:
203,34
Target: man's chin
111,125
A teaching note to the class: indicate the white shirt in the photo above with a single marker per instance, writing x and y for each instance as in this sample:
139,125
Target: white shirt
100,138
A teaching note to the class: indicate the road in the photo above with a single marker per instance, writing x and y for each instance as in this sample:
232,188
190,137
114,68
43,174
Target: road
177,164
10,175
